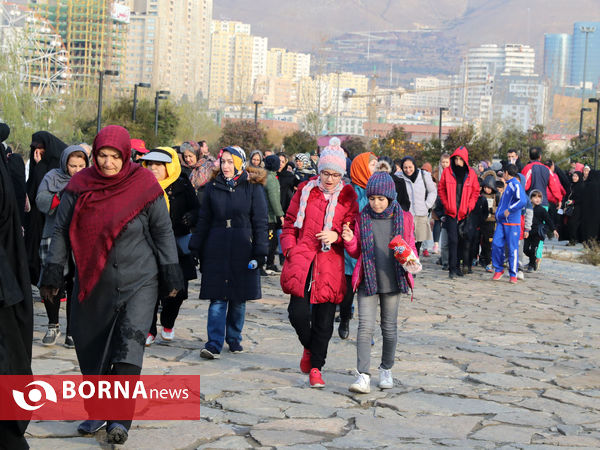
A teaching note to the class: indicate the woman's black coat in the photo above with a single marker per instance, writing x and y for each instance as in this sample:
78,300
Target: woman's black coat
231,231
183,202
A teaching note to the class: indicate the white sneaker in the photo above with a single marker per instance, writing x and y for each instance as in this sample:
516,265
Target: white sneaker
150,340
362,385
385,379
520,275
168,334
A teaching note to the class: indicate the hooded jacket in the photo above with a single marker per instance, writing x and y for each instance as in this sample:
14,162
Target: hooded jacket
514,200
51,187
447,188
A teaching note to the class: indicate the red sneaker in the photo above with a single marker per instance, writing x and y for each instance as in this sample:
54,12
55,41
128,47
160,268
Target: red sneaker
315,378
305,364
64,299
497,275
513,280
426,253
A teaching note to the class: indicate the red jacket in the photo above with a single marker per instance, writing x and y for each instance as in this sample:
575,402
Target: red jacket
555,182
301,248
447,188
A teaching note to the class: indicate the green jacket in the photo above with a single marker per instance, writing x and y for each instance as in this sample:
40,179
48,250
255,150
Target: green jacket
273,197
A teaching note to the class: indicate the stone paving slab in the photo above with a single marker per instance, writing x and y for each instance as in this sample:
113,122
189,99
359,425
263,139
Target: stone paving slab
479,364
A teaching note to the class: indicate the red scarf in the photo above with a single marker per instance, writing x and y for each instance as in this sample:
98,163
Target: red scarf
105,205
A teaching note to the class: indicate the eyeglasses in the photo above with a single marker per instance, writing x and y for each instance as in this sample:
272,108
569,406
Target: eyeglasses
331,175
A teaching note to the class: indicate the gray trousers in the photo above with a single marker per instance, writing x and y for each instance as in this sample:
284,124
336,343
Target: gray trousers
444,246
367,310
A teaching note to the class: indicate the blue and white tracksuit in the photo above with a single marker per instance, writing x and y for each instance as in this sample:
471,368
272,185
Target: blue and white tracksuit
508,229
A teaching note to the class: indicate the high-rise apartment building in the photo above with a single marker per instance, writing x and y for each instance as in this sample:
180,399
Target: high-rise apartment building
94,34
237,60
183,47
519,100
142,48
291,65
557,58
477,73
578,50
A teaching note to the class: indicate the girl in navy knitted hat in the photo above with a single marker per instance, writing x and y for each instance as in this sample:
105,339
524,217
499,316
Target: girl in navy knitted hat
378,276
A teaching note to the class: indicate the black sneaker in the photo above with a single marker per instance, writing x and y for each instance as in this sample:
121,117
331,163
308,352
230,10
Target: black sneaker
51,335
236,348
90,426
116,433
265,273
209,353
69,343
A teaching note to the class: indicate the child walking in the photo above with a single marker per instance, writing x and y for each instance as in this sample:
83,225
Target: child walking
541,224
378,276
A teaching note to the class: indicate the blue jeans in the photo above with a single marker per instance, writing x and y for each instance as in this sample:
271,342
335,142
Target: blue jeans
225,323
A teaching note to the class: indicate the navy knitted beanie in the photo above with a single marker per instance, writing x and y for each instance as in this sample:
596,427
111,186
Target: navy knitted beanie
381,183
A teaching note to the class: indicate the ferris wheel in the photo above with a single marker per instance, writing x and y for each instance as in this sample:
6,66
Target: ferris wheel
38,51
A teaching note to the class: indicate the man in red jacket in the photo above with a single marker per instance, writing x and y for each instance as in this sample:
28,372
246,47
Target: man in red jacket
458,190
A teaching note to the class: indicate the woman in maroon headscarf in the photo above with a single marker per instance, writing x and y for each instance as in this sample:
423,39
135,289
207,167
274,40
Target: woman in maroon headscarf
114,217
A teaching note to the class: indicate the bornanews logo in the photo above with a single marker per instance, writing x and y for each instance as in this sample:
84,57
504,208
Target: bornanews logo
75,397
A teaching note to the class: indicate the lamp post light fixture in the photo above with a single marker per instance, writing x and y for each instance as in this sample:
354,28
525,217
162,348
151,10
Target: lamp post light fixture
160,95
597,102
442,109
110,73
581,111
256,103
135,99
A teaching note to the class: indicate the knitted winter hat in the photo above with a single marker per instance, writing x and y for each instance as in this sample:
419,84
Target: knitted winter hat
272,163
381,183
304,158
333,158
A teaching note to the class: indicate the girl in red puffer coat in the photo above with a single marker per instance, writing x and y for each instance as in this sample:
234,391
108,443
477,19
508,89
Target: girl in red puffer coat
313,273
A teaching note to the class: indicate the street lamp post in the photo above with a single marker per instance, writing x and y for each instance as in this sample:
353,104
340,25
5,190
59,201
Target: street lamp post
442,109
581,111
114,73
160,95
587,31
135,99
597,102
256,103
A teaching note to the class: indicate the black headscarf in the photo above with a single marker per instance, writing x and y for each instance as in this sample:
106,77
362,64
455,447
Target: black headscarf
34,220
415,174
577,188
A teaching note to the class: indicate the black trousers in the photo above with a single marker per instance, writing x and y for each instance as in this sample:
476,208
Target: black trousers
456,245
346,305
530,246
169,311
574,225
272,244
53,307
313,325
129,406
487,235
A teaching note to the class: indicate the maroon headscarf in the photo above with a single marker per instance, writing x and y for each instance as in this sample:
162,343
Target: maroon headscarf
105,205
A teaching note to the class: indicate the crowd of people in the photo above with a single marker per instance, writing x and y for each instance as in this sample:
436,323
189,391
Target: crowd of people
117,230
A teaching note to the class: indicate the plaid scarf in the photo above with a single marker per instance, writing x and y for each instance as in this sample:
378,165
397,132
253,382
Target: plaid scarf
367,242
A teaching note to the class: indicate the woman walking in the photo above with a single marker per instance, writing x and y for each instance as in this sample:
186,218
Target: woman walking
231,242
422,192
44,156
197,166
73,160
183,210
313,272
574,208
123,260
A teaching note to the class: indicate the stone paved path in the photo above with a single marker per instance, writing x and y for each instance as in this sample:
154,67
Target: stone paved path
479,365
